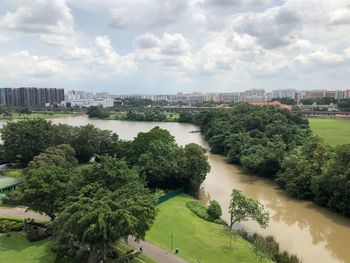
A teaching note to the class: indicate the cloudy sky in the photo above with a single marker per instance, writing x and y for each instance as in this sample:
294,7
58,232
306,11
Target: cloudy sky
165,46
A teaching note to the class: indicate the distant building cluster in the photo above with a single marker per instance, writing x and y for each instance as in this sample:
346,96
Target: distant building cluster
249,96
48,97
31,97
86,99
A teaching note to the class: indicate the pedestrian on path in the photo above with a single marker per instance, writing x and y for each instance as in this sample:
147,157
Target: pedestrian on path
141,249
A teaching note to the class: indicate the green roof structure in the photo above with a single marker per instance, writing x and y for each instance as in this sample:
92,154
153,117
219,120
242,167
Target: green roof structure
8,182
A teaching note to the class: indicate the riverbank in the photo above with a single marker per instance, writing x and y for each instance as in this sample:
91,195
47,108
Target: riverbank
198,240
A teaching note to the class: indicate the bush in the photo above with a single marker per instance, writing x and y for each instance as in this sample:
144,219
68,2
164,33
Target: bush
7,225
270,247
35,233
214,210
12,198
200,210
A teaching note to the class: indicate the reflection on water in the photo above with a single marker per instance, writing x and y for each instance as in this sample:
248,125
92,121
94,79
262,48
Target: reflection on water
314,234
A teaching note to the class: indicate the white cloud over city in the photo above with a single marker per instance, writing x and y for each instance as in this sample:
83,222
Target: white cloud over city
164,46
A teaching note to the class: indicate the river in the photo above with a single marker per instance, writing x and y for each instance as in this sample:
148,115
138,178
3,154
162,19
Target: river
314,234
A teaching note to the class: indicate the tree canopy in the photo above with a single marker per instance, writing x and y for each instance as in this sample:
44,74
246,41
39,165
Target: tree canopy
242,208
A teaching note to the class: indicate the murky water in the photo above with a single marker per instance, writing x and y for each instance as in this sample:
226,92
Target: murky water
315,234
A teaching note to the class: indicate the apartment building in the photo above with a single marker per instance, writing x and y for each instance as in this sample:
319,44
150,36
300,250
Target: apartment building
31,97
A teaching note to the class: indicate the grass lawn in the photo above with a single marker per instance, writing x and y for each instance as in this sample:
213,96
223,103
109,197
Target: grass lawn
197,239
335,131
44,115
16,249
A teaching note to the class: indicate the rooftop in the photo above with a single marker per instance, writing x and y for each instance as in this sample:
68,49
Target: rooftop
8,182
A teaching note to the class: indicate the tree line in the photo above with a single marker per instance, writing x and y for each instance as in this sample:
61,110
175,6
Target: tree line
279,144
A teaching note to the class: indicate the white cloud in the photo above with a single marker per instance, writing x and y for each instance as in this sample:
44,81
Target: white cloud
50,19
146,13
27,65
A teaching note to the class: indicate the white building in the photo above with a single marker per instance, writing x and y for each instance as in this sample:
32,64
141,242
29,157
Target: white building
284,93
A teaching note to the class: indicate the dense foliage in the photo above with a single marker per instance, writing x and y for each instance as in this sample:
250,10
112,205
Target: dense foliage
278,144
318,172
344,105
97,112
24,139
256,137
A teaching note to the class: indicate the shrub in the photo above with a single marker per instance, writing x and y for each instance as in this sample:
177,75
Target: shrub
214,210
269,246
12,198
35,233
7,225
200,210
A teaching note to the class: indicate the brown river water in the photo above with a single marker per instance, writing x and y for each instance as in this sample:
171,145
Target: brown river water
314,234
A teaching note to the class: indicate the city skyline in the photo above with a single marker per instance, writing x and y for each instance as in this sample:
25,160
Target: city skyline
153,46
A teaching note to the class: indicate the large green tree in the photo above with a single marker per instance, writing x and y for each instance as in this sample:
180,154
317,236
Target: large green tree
196,168
61,155
113,207
332,187
46,188
89,141
242,208
25,139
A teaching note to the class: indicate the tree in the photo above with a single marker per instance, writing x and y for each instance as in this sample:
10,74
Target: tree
242,208
108,173
214,209
89,141
186,117
45,189
332,187
97,112
143,140
25,139
61,155
344,105
114,207
163,165
196,168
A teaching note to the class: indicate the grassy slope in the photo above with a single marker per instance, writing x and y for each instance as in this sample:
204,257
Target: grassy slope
197,239
335,131
16,248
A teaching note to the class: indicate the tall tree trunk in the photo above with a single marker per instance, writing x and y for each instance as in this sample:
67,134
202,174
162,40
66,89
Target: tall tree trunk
104,251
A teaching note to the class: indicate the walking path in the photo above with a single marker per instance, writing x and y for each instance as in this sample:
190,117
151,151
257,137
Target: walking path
21,212
157,253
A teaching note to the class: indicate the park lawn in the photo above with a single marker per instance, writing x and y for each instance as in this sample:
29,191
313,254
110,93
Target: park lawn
16,249
43,115
334,131
198,240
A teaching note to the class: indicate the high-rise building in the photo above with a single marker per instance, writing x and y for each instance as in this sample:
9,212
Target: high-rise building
284,93
30,97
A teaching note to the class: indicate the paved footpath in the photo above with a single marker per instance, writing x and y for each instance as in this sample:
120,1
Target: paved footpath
159,254
21,212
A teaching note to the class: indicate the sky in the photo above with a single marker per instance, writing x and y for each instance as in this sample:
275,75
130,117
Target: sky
169,46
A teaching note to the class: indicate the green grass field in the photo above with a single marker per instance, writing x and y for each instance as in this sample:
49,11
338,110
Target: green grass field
43,115
16,249
197,239
335,131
